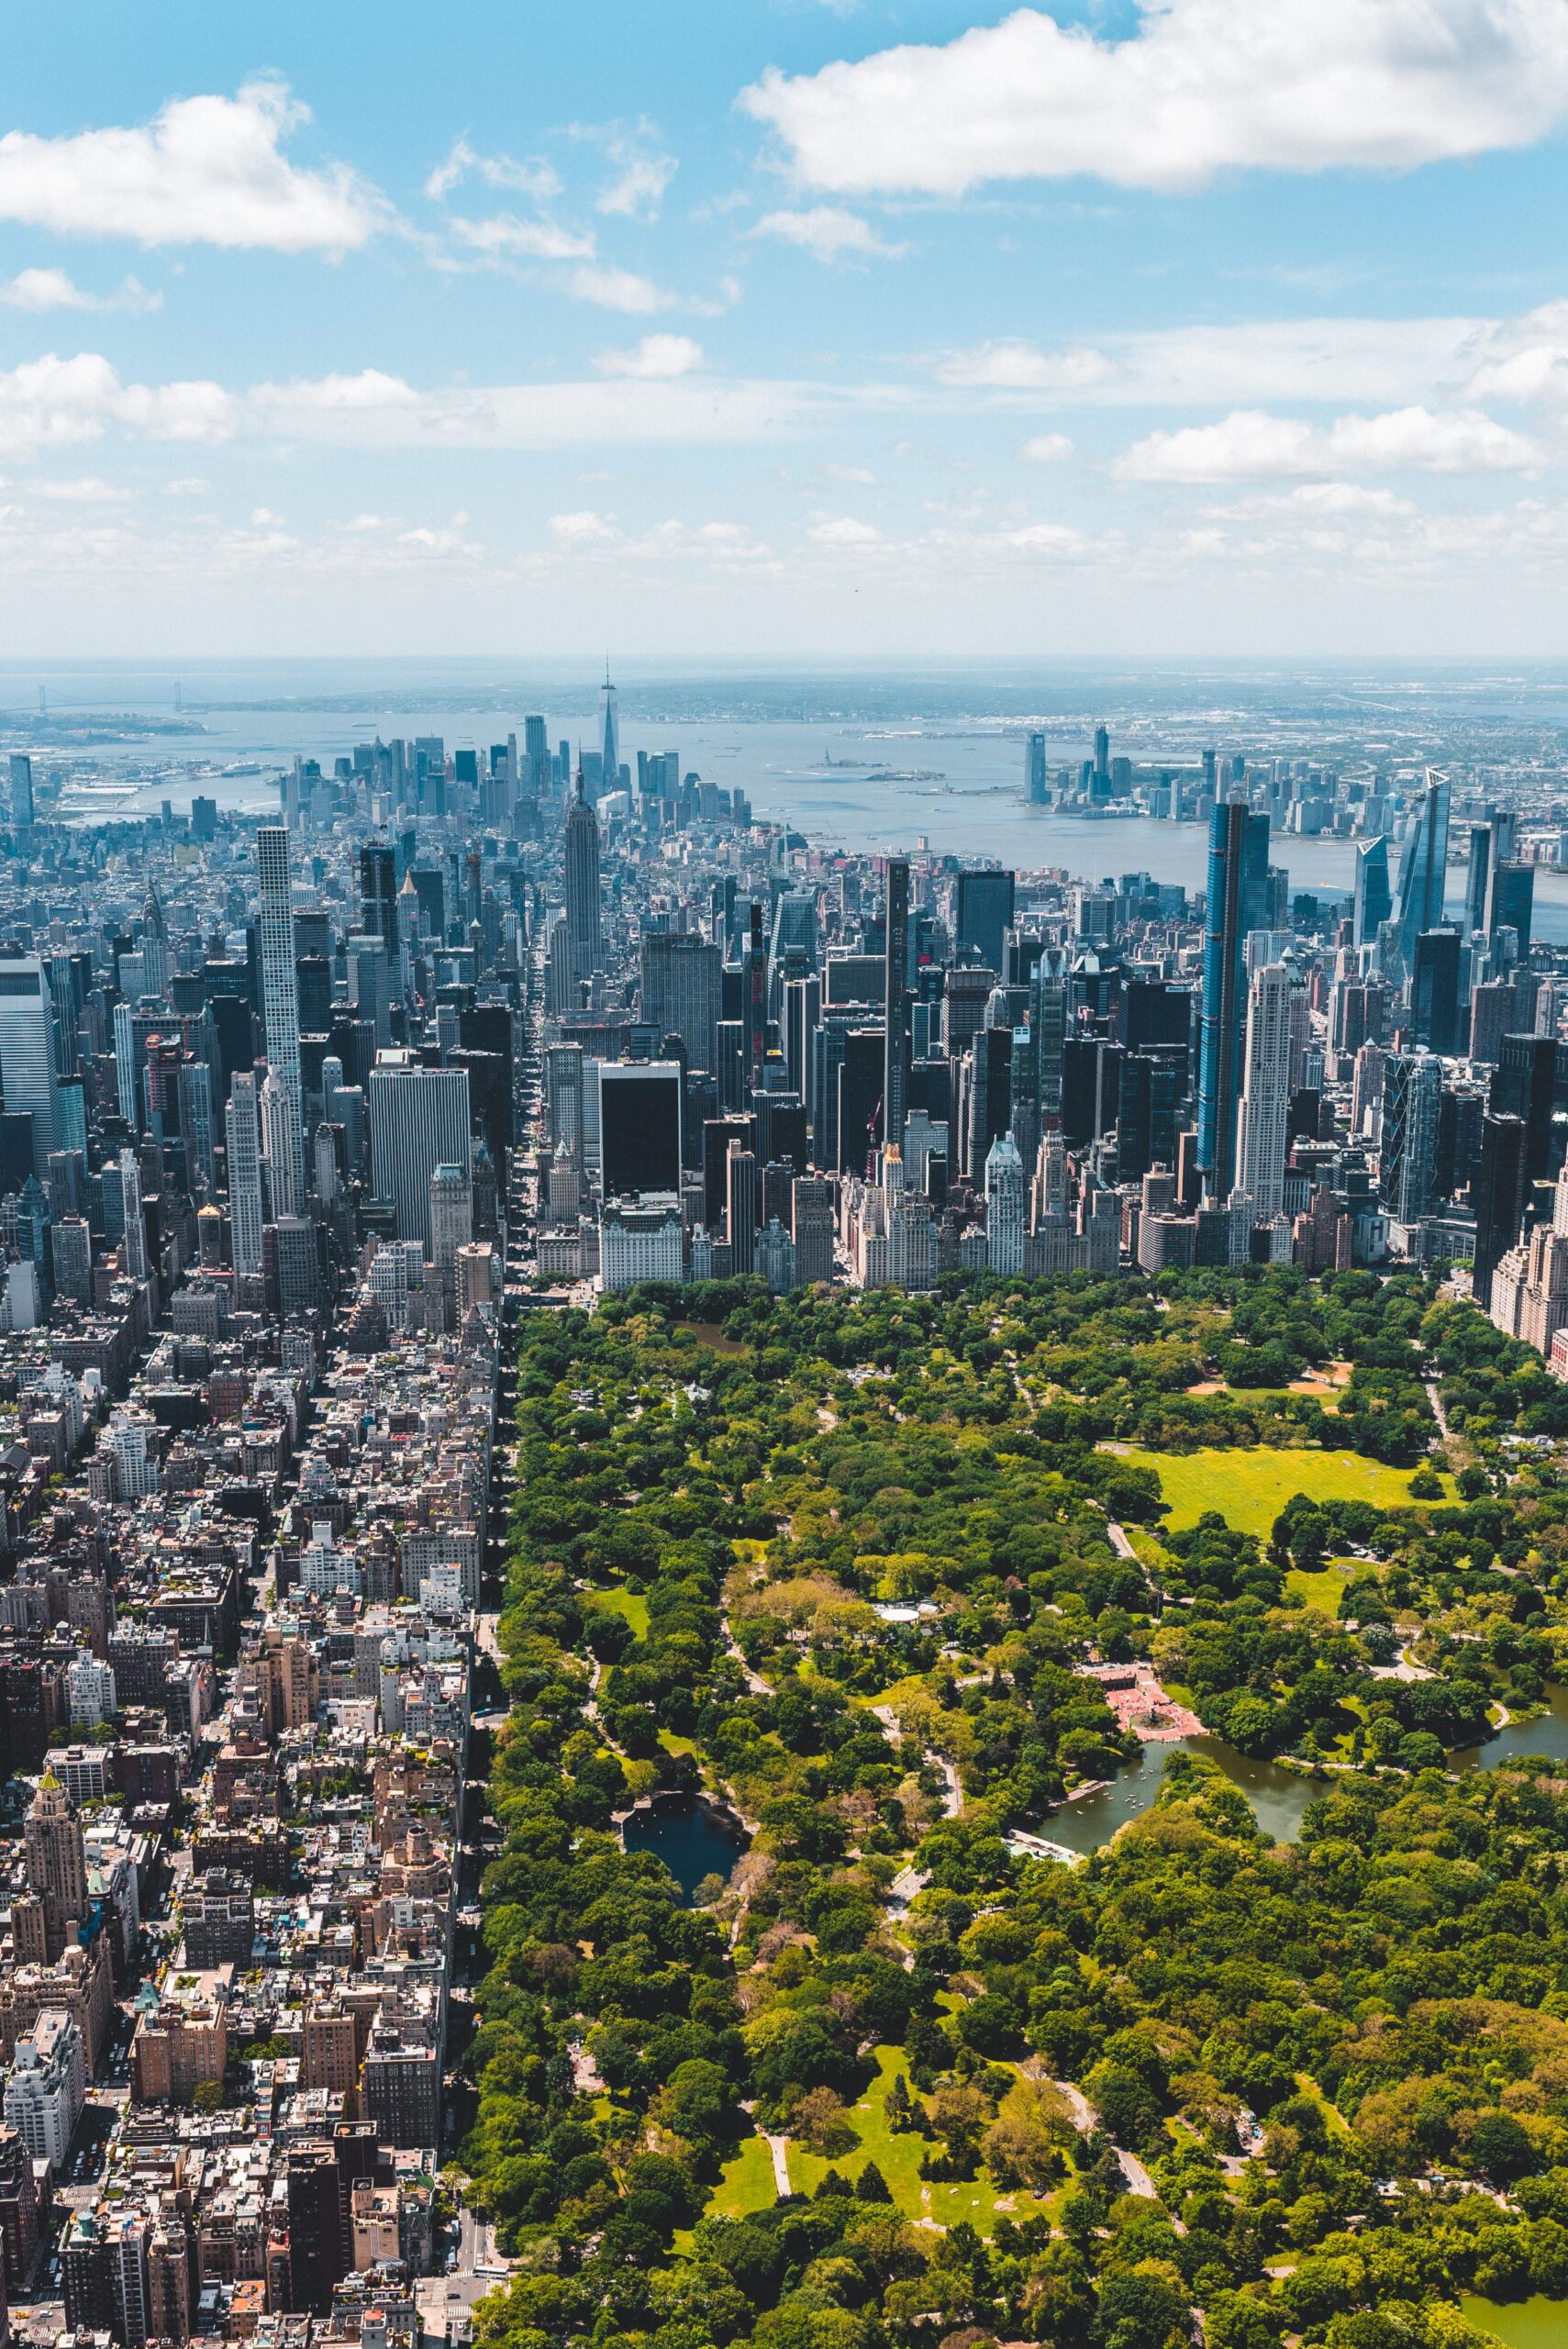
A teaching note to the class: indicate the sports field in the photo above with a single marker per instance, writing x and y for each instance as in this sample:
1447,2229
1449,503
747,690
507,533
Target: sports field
1248,1488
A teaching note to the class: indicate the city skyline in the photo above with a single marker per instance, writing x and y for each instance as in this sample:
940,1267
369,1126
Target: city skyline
881,329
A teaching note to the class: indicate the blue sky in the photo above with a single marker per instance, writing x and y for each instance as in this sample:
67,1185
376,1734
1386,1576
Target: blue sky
785,331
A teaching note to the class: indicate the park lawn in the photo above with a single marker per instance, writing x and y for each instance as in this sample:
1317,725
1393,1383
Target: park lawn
671,1743
898,2158
1322,1590
745,2184
1249,1487
629,1603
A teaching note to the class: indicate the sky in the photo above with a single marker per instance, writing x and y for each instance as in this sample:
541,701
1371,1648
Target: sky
748,332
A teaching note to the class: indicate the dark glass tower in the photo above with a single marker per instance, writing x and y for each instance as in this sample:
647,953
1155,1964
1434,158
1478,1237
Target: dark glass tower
1238,890
895,1058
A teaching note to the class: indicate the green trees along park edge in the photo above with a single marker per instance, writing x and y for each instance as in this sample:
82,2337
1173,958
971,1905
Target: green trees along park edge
1335,2072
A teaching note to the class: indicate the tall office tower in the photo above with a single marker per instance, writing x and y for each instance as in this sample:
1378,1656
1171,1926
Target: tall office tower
277,1147
896,1070
1412,1091
682,991
535,754
1493,1012
1103,758
563,1097
754,1001
195,1079
56,1863
21,790
135,1221
1423,867
1477,874
327,1174
982,916
1500,1185
1036,790
378,894
246,1209
452,1214
1531,1081
1048,1027
30,1068
1238,884
1510,903
584,935
1374,898
418,1120
640,1126
740,1208
280,993
1264,1120
610,735
812,1207
154,946
1003,1207
990,1096
1434,992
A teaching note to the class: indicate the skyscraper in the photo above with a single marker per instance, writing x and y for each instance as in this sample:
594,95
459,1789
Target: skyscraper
1423,868
1264,1120
21,790
1411,1096
277,1148
154,945
135,1221
1434,991
56,1863
640,1126
983,916
584,935
1036,791
609,734
1510,903
28,1064
451,1215
1374,899
378,894
1238,880
896,1076
682,991
1003,1207
245,1208
418,1120
1499,1198
741,1206
280,993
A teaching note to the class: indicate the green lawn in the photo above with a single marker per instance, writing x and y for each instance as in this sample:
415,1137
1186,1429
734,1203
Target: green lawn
1322,1590
899,2159
745,2184
1249,1487
629,1603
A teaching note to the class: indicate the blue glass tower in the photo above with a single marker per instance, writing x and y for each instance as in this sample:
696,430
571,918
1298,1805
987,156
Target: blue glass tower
1237,901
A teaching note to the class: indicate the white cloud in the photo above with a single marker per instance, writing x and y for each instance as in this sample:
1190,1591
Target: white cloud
369,391
655,358
726,546
54,403
616,289
1020,367
844,531
37,290
858,476
1047,449
1292,85
584,529
638,188
1252,445
504,236
1390,361
205,170
87,489
262,518
188,486
530,175
827,232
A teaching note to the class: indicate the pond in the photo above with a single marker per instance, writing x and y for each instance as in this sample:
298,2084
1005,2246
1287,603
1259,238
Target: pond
1537,2323
692,1838
1279,1798
1548,1735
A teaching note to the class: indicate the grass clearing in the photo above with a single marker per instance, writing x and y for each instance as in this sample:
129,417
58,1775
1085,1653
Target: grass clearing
898,2158
1249,1487
745,2184
629,1603
1322,1590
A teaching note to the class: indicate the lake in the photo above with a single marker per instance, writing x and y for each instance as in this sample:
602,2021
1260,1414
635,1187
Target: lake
1536,2323
1548,1735
1278,1797
692,1838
